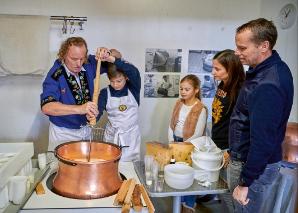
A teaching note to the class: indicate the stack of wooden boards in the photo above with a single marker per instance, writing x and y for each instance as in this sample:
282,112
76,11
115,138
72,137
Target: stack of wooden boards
163,153
131,194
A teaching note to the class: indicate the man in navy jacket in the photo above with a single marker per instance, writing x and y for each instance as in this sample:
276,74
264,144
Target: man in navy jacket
259,119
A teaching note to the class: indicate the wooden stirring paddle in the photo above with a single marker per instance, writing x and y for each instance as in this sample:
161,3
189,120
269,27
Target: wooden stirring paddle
96,89
92,122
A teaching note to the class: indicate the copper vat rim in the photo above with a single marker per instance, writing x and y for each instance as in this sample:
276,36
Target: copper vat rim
59,157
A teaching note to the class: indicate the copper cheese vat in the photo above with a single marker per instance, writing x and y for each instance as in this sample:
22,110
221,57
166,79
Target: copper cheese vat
80,179
290,144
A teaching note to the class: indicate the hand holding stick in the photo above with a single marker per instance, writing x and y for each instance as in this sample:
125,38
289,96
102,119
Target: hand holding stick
96,90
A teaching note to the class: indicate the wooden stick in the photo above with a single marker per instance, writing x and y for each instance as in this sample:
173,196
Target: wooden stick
147,199
39,189
130,191
119,199
125,208
96,89
136,199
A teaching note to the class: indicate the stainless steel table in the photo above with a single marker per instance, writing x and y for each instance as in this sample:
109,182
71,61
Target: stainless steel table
196,189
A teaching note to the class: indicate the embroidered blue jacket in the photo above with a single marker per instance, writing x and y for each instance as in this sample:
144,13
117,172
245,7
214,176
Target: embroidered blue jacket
57,86
133,84
258,122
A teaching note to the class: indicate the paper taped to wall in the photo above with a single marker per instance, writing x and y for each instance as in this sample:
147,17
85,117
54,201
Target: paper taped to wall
24,44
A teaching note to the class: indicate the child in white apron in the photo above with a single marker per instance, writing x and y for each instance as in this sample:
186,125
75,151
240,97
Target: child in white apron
121,101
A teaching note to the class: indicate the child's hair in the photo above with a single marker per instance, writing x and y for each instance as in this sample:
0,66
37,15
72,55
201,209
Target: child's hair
235,70
113,71
194,81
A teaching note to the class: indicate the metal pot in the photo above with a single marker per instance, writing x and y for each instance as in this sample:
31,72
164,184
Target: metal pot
82,179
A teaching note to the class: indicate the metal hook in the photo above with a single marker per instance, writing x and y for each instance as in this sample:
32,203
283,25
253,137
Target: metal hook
72,29
80,23
64,26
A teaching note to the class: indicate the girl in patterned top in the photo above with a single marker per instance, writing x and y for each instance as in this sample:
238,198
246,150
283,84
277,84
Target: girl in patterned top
229,72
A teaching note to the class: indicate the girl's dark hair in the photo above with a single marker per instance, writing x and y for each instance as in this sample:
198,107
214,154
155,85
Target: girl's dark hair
232,64
113,71
194,81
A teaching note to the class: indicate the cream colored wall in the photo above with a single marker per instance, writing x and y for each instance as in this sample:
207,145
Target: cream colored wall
132,26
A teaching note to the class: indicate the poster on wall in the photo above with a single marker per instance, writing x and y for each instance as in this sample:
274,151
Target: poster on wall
163,60
208,86
208,90
200,61
161,86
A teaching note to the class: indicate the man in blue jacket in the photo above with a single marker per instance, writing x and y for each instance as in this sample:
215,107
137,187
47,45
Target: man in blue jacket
259,119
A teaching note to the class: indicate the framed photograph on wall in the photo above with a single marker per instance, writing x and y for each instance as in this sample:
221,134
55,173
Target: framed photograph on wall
200,61
163,60
161,86
208,90
208,86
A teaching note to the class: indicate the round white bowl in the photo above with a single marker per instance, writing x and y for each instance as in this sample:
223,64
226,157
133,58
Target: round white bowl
179,176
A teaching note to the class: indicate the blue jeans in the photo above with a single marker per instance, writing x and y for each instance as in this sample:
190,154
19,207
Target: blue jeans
261,193
189,200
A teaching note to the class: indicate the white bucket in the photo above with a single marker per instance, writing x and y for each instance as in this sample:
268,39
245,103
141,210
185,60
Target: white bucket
206,174
209,160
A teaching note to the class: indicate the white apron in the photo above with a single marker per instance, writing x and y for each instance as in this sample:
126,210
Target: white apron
59,135
122,128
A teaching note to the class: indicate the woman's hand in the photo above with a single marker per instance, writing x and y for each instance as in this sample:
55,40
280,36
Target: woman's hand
226,157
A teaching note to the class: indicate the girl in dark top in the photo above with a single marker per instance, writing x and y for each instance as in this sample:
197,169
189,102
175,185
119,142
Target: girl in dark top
229,72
